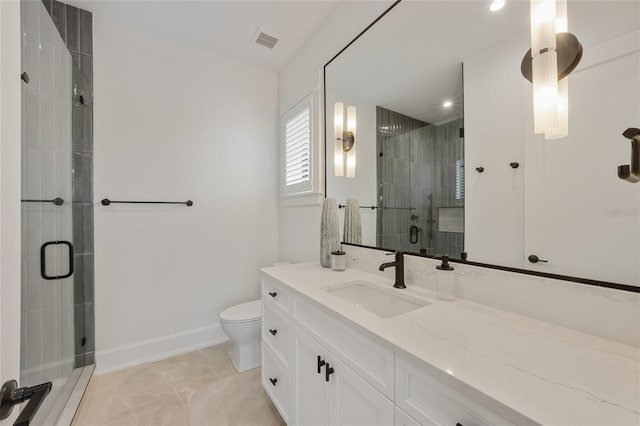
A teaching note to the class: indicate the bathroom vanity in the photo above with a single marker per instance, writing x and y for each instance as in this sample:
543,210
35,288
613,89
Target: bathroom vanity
348,348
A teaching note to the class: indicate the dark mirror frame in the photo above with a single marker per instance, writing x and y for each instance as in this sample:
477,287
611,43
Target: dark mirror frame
578,280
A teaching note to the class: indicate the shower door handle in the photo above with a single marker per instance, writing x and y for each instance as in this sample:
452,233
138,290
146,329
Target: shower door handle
43,260
11,395
413,234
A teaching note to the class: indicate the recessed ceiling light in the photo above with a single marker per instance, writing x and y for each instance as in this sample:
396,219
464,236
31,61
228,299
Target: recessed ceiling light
496,5
447,104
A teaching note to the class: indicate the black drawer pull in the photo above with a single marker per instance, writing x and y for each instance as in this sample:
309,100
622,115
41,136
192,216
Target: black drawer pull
273,294
458,424
272,331
273,381
321,362
328,371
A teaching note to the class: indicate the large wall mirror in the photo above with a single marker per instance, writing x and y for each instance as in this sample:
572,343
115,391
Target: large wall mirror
444,159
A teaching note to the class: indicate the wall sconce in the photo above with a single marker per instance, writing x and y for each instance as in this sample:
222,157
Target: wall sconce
554,54
344,140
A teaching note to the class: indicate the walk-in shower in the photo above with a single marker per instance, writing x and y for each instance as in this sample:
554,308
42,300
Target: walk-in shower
55,276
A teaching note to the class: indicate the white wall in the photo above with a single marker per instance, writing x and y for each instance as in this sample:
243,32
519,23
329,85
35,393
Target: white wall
299,226
494,199
174,122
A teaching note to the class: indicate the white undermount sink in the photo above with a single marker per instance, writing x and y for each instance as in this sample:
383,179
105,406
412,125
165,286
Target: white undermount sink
385,303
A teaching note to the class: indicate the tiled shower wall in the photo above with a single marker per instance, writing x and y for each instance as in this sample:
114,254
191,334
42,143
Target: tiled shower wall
76,28
449,150
416,176
402,156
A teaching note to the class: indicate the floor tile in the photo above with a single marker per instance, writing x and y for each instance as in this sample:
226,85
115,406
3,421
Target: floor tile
198,388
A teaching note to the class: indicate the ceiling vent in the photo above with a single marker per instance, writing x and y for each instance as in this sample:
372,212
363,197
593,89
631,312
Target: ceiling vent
264,39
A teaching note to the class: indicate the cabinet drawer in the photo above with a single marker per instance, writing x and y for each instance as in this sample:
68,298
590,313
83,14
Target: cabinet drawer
430,402
276,332
276,295
276,382
371,360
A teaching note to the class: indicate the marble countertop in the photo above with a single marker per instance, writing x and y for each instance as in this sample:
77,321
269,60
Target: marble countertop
550,374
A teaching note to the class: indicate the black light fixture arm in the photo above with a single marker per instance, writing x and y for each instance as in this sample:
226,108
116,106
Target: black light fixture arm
569,53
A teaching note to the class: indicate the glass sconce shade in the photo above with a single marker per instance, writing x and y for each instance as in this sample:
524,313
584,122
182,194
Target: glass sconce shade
344,140
338,130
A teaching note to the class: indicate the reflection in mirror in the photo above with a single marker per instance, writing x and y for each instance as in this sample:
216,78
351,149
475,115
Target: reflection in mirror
439,169
410,150
420,183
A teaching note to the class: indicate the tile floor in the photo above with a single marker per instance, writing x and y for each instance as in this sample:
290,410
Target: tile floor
198,388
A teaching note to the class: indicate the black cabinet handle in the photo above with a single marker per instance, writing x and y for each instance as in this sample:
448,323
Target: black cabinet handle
480,169
535,259
458,424
273,331
321,362
328,371
273,294
273,381
514,165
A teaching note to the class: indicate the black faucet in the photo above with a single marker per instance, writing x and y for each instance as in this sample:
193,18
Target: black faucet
399,265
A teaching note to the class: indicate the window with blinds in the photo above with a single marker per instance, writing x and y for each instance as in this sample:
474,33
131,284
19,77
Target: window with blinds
459,179
297,131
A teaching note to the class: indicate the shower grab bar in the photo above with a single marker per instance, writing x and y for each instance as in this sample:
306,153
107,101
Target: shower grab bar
57,201
106,202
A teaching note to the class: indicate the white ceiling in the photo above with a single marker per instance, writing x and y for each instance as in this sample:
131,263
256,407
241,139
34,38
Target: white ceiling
224,27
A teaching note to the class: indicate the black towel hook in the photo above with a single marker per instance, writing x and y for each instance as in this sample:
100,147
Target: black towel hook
631,172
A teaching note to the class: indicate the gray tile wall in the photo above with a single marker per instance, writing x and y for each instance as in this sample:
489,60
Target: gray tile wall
449,148
416,176
76,28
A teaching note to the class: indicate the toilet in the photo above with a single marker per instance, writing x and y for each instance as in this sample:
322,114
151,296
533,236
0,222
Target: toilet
243,323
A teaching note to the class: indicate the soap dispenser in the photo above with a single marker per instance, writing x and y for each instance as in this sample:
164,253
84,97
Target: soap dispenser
445,279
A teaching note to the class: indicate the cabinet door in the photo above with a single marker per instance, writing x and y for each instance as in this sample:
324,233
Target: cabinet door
353,401
311,399
403,419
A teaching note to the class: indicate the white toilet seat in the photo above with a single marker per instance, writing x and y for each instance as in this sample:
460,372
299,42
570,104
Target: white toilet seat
244,312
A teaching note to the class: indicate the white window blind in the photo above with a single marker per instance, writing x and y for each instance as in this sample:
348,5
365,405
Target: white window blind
459,179
298,148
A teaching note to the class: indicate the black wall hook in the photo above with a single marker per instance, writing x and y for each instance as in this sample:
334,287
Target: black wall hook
631,172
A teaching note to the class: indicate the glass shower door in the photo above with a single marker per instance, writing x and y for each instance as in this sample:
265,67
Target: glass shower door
47,327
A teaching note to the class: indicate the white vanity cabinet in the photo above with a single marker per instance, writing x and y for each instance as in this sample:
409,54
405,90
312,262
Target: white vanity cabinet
328,392
276,346
310,380
428,401
319,369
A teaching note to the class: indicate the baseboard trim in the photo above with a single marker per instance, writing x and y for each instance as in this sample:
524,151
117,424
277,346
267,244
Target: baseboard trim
158,348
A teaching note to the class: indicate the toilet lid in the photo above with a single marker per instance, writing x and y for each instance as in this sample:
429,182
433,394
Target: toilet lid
244,312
